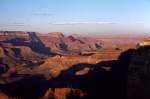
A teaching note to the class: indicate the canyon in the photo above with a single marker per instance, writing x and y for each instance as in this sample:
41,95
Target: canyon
59,66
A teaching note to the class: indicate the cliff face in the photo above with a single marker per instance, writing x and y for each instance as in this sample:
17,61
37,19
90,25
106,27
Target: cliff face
62,44
139,74
54,42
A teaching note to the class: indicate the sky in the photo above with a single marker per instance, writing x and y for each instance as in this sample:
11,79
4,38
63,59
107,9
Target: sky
76,16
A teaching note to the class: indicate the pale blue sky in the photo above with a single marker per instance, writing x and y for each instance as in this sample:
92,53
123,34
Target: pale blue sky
72,16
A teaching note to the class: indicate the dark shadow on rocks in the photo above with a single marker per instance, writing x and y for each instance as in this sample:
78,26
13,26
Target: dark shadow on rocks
30,87
16,51
37,45
33,42
98,82
139,74
63,46
3,67
18,41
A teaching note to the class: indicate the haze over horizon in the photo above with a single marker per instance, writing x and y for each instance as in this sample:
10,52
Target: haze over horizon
76,16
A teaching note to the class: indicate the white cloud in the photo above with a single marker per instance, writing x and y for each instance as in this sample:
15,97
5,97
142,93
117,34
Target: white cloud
76,22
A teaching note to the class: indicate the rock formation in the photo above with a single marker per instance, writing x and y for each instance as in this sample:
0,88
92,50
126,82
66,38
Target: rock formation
139,74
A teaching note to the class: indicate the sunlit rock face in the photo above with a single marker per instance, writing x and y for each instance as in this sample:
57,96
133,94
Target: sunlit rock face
1,51
139,74
55,65
3,96
64,93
